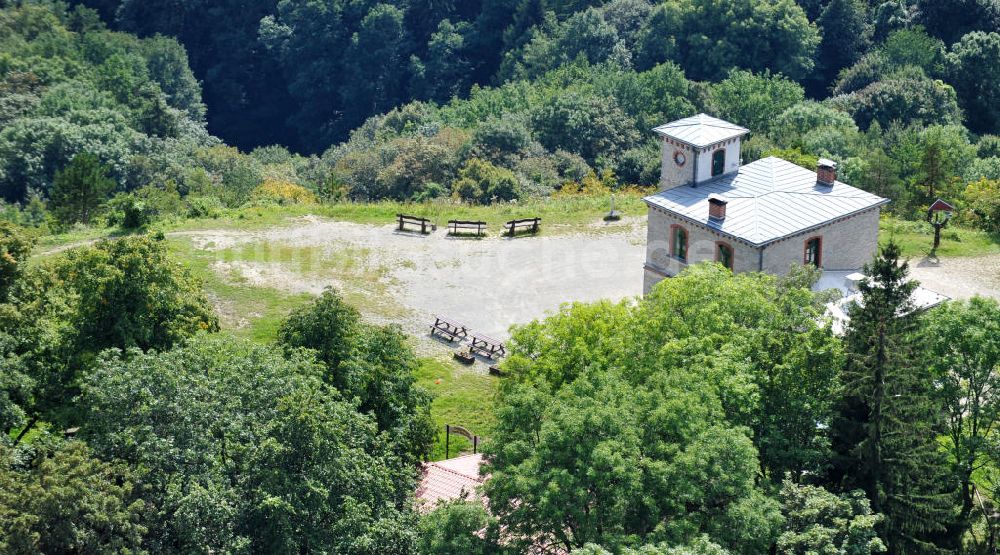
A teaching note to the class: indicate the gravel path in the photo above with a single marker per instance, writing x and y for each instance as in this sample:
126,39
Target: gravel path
960,278
488,284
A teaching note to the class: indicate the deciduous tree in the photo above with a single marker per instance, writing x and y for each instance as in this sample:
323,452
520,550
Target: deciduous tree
243,449
963,349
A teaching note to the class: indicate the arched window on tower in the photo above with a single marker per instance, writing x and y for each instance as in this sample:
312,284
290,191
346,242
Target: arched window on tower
718,162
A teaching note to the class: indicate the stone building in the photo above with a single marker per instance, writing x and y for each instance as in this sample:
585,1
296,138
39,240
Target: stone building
761,217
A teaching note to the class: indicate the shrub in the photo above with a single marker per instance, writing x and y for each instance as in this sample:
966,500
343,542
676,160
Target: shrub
203,207
481,181
129,212
982,201
282,192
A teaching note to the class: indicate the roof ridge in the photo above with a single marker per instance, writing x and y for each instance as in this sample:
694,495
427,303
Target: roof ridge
455,472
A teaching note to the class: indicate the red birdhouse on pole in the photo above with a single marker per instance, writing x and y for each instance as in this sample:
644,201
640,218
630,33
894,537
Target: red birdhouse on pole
938,215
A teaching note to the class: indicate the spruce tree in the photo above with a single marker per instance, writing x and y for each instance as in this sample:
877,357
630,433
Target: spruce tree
885,434
80,189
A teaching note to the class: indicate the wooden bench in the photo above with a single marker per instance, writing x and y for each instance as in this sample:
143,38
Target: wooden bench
425,226
449,329
495,370
529,225
487,346
456,227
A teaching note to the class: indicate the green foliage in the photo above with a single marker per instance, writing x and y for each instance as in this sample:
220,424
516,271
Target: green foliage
702,545
907,97
885,434
982,205
962,339
372,365
67,501
842,25
716,36
975,73
67,92
626,425
130,293
943,151
950,19
245,450
454,527
15,246
587,125
753,100
482,182
817,521
80,189
123,293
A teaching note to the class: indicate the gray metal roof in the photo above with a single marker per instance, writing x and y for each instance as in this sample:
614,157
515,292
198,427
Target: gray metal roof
767,200
701,130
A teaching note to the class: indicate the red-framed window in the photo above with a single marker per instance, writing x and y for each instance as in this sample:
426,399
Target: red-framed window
813,252
678,242
724,254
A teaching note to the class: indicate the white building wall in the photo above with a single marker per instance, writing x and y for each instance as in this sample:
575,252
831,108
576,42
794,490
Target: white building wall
732,148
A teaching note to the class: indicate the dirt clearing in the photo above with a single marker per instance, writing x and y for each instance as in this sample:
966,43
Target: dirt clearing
488,284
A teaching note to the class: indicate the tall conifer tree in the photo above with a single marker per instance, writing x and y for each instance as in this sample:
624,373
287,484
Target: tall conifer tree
885,436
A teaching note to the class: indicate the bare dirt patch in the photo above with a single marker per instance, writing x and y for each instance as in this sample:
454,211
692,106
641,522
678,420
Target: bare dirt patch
488,284
960,278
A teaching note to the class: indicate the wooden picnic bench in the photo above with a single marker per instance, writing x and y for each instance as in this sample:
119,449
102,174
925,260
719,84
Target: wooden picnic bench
449,329
425,225
528,224
487,346
457,226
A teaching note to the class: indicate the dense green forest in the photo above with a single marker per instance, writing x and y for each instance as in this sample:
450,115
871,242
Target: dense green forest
483,102
718,415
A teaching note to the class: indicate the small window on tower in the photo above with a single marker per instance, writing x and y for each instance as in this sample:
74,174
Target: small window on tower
718,162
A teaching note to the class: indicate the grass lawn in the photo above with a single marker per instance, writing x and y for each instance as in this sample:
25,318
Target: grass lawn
915,239
561,214
250,312
462,396
566,212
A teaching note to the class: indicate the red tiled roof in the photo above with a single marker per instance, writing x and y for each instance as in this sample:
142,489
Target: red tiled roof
446,480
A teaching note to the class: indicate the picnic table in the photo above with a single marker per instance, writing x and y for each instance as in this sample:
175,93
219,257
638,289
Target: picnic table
487,346
457,226
449,329
530,225
426,226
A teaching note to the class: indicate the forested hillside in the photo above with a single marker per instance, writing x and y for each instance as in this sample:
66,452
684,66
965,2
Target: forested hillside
487,102
718,415
304,73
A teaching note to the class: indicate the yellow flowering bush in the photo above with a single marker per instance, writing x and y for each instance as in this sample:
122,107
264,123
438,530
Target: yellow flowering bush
283,192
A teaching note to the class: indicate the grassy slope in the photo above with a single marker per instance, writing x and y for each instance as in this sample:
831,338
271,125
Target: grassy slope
461,396
915,239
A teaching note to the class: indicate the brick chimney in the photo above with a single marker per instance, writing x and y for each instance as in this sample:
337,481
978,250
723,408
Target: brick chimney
826,172
717,207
